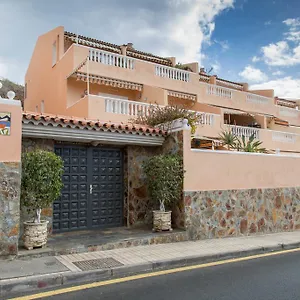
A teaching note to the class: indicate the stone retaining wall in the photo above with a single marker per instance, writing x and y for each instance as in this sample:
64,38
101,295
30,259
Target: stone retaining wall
10,180
138,205
211,214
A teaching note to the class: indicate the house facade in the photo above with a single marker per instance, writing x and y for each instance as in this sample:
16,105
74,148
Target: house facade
81,95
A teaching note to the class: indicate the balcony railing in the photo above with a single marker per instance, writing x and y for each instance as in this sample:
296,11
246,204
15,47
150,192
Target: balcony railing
283,137
111,59
288,112
218,91
244,131
126,107
206,118
172,73
134,108
257,99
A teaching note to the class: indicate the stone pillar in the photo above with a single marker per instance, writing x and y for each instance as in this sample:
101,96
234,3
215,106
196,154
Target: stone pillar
10,174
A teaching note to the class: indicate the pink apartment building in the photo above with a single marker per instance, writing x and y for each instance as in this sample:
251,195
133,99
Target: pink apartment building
81,94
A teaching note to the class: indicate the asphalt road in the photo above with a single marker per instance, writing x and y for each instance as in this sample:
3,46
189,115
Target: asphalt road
275,277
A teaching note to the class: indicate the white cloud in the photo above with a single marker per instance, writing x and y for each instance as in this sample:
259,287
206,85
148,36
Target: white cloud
286,87
280,54
255,59
253,75
216,67
278,73
224,44
162,27
294,29
287,51
293,23
268,23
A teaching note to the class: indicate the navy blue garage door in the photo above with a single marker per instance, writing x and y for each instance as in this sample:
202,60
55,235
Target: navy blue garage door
92,196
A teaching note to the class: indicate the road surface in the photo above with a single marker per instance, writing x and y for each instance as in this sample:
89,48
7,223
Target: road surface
268,278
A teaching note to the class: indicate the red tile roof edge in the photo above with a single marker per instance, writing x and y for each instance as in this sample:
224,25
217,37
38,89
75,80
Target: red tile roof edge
90,123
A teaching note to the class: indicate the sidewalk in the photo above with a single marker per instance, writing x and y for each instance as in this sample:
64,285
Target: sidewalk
37,273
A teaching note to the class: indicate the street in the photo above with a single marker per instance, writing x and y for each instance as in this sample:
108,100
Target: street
274,277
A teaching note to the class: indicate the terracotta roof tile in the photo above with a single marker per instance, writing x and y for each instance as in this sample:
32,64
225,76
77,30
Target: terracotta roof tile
39,119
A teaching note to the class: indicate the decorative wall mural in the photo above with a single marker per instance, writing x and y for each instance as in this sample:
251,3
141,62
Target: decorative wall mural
5,121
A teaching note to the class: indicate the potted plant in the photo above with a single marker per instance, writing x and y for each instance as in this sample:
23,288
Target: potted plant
41,185
164,177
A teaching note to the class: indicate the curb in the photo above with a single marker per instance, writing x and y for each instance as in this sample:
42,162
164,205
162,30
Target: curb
10,287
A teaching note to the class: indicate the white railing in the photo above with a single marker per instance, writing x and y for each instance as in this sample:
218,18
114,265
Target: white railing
288,112
257,99
111,59
218,91
283,137
172,73
244,131
207,119
126,107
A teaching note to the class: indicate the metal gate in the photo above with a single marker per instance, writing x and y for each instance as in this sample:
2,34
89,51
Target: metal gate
92,196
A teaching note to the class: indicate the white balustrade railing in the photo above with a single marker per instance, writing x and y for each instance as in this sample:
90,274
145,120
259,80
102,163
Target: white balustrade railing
207,119
172,73
126,107
288,112
283,137
111,59
244,131
219,91
257,99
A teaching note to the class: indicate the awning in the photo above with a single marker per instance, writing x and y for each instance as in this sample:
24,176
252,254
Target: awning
230,111
214,141
281,122
109,81
182,95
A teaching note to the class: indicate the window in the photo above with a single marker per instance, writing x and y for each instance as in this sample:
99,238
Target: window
54,54
25,91
36,108
42,106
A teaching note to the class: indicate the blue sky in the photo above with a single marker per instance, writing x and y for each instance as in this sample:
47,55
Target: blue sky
255,41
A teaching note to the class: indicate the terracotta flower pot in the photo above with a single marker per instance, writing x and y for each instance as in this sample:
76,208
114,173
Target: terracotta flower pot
162,220
35,234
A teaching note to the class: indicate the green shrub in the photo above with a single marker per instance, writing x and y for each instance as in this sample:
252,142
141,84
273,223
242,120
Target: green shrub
41,180
164,177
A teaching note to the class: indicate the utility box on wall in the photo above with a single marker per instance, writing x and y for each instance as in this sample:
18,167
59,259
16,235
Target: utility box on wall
10,174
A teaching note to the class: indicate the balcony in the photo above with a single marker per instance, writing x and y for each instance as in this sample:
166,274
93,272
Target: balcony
291,115
271,139
244,131
116,66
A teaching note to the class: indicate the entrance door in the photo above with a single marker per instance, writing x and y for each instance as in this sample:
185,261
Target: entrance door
92,196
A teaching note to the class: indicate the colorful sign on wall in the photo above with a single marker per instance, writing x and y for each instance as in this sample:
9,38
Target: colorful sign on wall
5,122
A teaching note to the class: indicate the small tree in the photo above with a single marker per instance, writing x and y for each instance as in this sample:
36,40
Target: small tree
164,175
41,180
